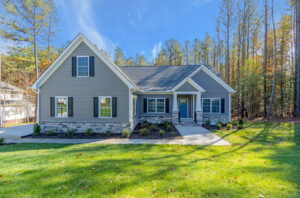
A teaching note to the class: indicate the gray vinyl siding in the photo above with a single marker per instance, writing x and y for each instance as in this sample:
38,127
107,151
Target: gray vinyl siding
83,89
141,104
213,90
186,87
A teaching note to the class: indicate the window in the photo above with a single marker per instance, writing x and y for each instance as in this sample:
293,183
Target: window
156,105
105,110
82,66
61,106
211,105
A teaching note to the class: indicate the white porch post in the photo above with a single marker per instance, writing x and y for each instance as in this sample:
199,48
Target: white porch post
198,102
175,106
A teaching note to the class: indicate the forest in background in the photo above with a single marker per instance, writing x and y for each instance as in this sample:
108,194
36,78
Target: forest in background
252,48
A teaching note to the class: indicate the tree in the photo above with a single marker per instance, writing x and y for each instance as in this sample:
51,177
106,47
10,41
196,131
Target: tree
265,57
297,67
119,57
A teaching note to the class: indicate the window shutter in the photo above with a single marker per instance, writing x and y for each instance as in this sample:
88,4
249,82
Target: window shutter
92,66
52,106
114,106
167,105
74,65
223,105
96,107
145,105
70,106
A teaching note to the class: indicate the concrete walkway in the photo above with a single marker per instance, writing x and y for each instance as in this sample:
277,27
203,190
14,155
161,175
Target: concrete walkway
192,135
16,132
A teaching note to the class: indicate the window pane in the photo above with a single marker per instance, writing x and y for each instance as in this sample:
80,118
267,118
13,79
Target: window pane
206,105
105,107
61,107
83,71
83,66
215,105
151,105
83,61
160,105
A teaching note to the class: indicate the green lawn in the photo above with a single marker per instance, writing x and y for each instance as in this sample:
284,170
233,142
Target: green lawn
263,161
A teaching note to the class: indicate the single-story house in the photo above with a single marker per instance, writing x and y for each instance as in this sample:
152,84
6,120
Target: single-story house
84,89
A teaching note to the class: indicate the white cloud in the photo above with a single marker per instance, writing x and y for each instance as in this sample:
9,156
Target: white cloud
156,49
197,3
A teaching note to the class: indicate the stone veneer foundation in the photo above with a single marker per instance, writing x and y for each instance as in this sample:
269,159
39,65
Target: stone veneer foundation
155,119
81,127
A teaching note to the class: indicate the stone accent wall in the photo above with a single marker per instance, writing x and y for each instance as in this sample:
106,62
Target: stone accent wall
81,127
155,119
175,117
214,119
199,118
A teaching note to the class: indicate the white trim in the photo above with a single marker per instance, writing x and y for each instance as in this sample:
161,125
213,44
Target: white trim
156,105
213,76
187,93
55,106
68,51
38,107
99,110
211,105
191,82
88,66
193,106
187,109
229,106
155,92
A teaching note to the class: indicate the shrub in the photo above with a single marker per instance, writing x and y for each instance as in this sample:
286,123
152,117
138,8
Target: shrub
89,132
36,129
229,126
145,125
126,132
207,122
50,132
144,131
219,126
108,132
241,124
169,127
161,133
166,123
71,132
1,140
153,127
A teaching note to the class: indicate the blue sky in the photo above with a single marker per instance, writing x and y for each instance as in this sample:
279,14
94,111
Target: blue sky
137,26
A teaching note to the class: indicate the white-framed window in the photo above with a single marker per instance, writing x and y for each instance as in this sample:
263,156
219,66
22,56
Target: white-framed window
61,106
211,105
82,66
156,105
105,107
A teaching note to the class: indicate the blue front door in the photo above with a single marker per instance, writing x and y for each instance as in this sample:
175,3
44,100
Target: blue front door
183,107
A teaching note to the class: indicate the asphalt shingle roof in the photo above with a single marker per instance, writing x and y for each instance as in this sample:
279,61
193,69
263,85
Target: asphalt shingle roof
157,78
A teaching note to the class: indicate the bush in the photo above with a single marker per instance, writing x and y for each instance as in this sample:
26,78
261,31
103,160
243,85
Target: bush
126,132
36,129
153,127
229,126
207,122
108,132
71,132
1,140
144,131
219,126
166,123
241,124
169,127
50,132
161,133
89,132
144,125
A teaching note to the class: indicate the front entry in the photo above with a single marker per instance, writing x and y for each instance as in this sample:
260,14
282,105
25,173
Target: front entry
183,107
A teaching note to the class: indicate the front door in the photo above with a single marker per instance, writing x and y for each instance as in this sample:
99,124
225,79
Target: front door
183,107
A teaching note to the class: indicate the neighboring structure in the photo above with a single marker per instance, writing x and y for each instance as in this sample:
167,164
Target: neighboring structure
84,89
14,107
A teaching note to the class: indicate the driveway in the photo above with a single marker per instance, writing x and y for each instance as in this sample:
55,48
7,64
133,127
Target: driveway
16,132
192,135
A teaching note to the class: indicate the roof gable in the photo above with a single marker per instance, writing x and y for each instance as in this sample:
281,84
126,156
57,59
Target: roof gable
188,85
68,51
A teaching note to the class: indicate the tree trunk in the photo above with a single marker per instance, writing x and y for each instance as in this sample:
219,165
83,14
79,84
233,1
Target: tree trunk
297,61
265,58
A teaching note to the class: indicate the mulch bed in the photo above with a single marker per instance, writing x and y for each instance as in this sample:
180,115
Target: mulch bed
173,134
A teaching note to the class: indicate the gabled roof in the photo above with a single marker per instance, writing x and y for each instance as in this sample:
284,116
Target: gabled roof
158,78
191,82
67,52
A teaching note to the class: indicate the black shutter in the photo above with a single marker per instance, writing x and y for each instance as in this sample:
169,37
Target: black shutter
52,106
114,106
223,105
92,66
96,107
167,105
74,65
145,105
70,106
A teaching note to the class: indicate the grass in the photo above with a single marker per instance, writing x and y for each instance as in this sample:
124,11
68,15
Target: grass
263,161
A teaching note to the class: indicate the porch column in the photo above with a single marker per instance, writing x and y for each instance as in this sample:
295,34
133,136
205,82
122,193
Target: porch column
198,109
175,109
